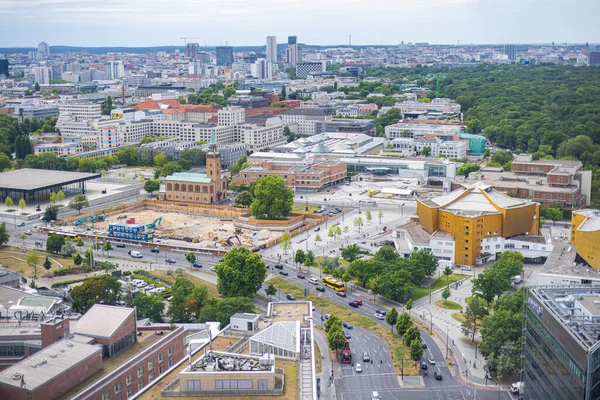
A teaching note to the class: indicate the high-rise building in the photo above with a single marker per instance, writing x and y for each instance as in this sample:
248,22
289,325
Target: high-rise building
594,58
114,70
224,55
292,53
562,346
272,49
3,69
41,75
43,49
191,50
511,51
262,69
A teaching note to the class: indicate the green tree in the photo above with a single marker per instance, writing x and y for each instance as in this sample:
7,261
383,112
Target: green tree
190,257
336,339
160,159
80,243
425,260
447,273
299,257
102,289
222,310
60,196
403,323
149,306
244,199
184,308
272,200
23,236
285,242
4,235
196,157
5,162
380,215
241,273
333,323
22,205
106,106
152,185
47,264
8,202
283,93
466,169
79,202
107,247
50,214
37,87
358,221
416,350
351,253
426,151
472,317
54,243
67,249
489,284
446,293
412,334
369,215
309,259
502,157
33,260
552,213
392,318
409,305
318,238
77,259
271,290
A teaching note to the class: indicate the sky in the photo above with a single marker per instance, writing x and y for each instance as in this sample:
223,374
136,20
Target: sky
25,23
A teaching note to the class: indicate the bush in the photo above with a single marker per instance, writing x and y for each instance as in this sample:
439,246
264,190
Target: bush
167,293
69,282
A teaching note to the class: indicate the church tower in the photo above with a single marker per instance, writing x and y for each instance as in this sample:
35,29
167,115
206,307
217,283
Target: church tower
213,161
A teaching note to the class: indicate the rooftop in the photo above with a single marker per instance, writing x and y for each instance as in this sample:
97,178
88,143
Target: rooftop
102,321
497,177
188,177
591,222
35,179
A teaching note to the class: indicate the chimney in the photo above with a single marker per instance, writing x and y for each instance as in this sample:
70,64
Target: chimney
54,330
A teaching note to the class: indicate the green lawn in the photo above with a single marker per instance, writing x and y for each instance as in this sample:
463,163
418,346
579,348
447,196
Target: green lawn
448,304
301,209
438,284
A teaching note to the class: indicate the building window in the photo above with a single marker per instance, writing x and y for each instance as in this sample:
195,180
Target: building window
106,395
497,246
160,370
151,376
193,386
169,186
170,362
140,384
118,387
140,371
170,350
129,379
161,356
150,364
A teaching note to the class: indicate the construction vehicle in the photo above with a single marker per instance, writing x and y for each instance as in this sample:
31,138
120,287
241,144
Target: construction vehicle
91,218
346,353
153,224
122,216
238,231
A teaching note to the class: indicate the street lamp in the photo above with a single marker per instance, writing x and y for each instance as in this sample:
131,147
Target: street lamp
446,341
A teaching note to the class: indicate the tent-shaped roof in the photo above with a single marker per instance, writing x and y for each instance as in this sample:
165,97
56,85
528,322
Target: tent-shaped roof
285,335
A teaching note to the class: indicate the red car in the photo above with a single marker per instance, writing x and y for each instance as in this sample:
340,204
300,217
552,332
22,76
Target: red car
359,302
341,294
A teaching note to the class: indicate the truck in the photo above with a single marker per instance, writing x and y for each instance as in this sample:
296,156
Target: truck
346,353
517,388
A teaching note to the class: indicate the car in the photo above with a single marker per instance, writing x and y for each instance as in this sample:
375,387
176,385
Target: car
278,266
21,224
379,316
358,368
212,269
341,294
381,311
326,316
353,304
290,297
155,250
313,281
424,345
284,273
375,396
318,229
300,276
120,245
359,302
338,209
196,264
437,376
366,357
320,288
28,233
170,261
431,361
347,335
423,365
149,286
347,325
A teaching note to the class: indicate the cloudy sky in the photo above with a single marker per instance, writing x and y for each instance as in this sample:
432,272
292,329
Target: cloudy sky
241,22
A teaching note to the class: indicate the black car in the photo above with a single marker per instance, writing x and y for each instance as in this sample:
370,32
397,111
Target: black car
155,250
437,376
121,245
353,304
320,288
381,311
424,345
301,276
291,297
423,365
284,273
279,266
196,264
170,261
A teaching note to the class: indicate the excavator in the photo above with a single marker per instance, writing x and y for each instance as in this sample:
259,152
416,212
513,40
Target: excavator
153,224
91,218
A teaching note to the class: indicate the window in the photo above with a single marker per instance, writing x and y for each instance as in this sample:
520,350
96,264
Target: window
106,395
160,370
129,379
170,350
118,387
150,364
193,386
140,384
151,376
161,356
170,362
140,371
497,246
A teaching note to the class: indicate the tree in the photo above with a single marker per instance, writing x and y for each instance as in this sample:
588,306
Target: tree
22,205
67,249
424,259
409,305
33,259
106,106
448,272
77,259
285,242
412,334
318,239
403,323
241,273
552,213
4,235
392,318
98,289
416,350
333,323
152,185
196,157
23,236
332,232
79,202
283,93
472,317
60,196
79,243
160,159
47,264
37,87
107,247
489,284
336,339
502,157
244,199
380,215
351,253
446,293
271,290
149,306
358,221
346,229
222,310
309,259
8,202
190,257
50,214
369,215
426,151
466,169
346,277
272,199
53,198
299,257
183,308
5,162
54,243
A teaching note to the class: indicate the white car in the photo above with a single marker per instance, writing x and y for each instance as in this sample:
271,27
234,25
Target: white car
431,361
379,316
358,368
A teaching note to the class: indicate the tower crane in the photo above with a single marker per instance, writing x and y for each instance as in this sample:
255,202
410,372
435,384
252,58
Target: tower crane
188,37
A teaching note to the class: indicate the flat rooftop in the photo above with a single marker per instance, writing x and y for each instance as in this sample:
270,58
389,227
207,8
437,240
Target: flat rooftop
507,179
36,179
290,311
592,221
102,321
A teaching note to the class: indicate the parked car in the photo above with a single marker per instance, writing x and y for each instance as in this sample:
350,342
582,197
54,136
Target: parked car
291,297
284,273
366,357
278,266
28,232
358,368
120,245
381,311
379,316
320,288
347,325
341,294
300,276
212,269
353,304
170,261
437,376
327,316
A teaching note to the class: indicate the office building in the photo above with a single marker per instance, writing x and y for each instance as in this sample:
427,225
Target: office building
114,70
224,56
594,58
191,50
40,112
306,67
272,49
585,235
262,69
248,101
230,116
43,50
510,50
3,69
303,121
260,136
562,345
41,75
293,53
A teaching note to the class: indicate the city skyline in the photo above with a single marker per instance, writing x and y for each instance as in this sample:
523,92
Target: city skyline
110,23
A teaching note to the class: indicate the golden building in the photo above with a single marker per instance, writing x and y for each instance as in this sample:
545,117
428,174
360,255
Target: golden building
585,235
475,213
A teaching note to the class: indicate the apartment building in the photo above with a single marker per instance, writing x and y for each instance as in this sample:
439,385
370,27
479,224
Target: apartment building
196,132
229,116
134,131
256,137
107,138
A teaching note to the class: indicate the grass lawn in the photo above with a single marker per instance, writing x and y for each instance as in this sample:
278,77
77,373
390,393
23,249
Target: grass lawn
318,360
468,341
458,317
438,284
301,209
212,289
394,342
448,304
14,259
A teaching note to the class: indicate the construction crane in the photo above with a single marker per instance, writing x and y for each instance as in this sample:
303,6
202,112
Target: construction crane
188,37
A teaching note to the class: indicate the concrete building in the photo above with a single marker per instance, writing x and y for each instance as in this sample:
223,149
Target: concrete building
272,49
34,112
230,116
426,169
303,121
244,322
191,50
43,49
510,51
561,343
41,75
224,56
248,101
415,130
3,68
293,54
114,70
334,144
258,137
585,235
304,68
262,69
108,138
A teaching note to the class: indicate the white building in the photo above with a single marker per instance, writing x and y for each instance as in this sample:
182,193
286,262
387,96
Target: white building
453,149
272,49
114,70
305,67
134,131
262,69
232,115
303,119
41,75
282,339
257,137
43,49
412,130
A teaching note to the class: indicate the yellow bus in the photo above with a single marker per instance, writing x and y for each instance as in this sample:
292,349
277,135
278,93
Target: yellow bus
333,283
71,235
